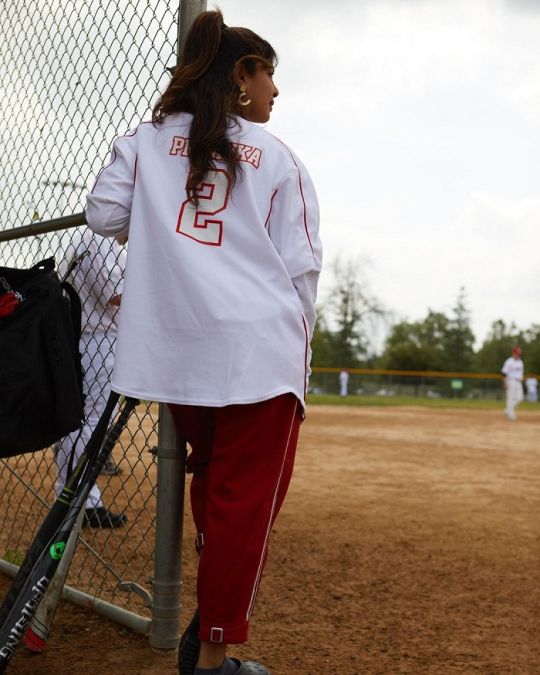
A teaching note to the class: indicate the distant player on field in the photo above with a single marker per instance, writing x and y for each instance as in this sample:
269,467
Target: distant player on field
218,307
513,381
531,384
344,382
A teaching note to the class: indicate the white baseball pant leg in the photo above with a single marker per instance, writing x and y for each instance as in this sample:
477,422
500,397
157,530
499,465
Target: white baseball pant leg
514,395
97,362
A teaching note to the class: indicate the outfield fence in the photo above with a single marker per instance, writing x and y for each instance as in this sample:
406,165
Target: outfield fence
76,74
410,383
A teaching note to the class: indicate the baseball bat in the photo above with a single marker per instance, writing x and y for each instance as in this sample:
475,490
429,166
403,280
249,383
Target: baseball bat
37,581
35,638
59,509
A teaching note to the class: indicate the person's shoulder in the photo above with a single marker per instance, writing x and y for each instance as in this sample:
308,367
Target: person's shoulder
253,134
179,119
288,155
151,128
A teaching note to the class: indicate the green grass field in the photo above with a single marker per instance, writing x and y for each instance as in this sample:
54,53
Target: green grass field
389,401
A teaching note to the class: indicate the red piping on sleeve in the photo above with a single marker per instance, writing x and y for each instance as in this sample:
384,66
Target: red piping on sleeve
270,211
301,194
114,156
305,210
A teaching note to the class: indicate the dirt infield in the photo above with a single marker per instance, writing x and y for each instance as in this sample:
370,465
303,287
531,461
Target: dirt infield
410,543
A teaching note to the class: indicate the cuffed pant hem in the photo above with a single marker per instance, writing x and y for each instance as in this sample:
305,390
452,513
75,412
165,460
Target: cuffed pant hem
228,635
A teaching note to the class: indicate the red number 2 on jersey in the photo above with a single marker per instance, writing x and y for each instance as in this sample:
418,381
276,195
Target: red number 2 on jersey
194,221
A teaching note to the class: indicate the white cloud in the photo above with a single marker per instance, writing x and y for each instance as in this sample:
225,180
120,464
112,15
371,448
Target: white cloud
485,248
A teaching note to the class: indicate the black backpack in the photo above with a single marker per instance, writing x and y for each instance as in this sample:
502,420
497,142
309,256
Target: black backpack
41,397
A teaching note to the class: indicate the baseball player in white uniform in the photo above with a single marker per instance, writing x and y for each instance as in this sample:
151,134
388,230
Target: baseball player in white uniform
98,278
218,307
513,381
531,384
344,383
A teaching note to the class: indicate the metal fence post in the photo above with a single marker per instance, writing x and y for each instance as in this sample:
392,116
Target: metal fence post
167,583
189,9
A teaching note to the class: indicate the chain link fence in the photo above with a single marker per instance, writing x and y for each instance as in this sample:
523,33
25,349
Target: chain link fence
373,382
76,74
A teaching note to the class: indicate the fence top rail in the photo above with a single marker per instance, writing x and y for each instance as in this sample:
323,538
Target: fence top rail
44,226
412,373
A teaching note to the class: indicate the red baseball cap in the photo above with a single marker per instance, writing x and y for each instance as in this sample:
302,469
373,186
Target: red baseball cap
516,350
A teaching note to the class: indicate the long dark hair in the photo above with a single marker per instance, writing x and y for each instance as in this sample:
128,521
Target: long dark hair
203,85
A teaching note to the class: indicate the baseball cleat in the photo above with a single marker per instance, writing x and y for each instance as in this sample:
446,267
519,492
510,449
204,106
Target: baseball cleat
250,668
110,468
188,653
102,517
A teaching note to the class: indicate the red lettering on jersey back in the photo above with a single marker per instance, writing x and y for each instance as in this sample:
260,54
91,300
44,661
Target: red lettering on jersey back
249,154
179,146
242,151
255,157
246,153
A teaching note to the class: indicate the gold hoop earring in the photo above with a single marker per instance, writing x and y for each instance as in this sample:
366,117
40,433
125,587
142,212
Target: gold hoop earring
243,95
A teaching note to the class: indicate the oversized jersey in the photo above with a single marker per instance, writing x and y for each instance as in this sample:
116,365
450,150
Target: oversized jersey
513,369
218,304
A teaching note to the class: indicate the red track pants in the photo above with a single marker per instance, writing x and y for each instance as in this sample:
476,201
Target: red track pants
242,458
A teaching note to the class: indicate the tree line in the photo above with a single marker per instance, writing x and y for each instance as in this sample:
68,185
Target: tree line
348,320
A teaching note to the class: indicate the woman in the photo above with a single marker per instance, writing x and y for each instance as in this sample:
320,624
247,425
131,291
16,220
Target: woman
218,307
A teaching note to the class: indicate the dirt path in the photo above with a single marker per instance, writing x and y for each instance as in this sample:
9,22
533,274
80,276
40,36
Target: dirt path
410,543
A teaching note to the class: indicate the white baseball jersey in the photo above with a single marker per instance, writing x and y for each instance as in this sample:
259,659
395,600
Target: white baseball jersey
98,277
219,299
531,384
513,369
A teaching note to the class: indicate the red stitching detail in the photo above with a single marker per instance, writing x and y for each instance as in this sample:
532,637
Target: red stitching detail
271,204
126,135
301,194
103,169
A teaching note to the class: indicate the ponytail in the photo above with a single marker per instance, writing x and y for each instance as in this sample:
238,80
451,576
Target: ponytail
201,46
203,85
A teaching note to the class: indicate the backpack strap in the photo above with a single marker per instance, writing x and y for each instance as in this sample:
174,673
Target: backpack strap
76,319
47,264
76,260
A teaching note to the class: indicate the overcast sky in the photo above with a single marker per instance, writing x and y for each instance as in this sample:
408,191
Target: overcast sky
419,121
